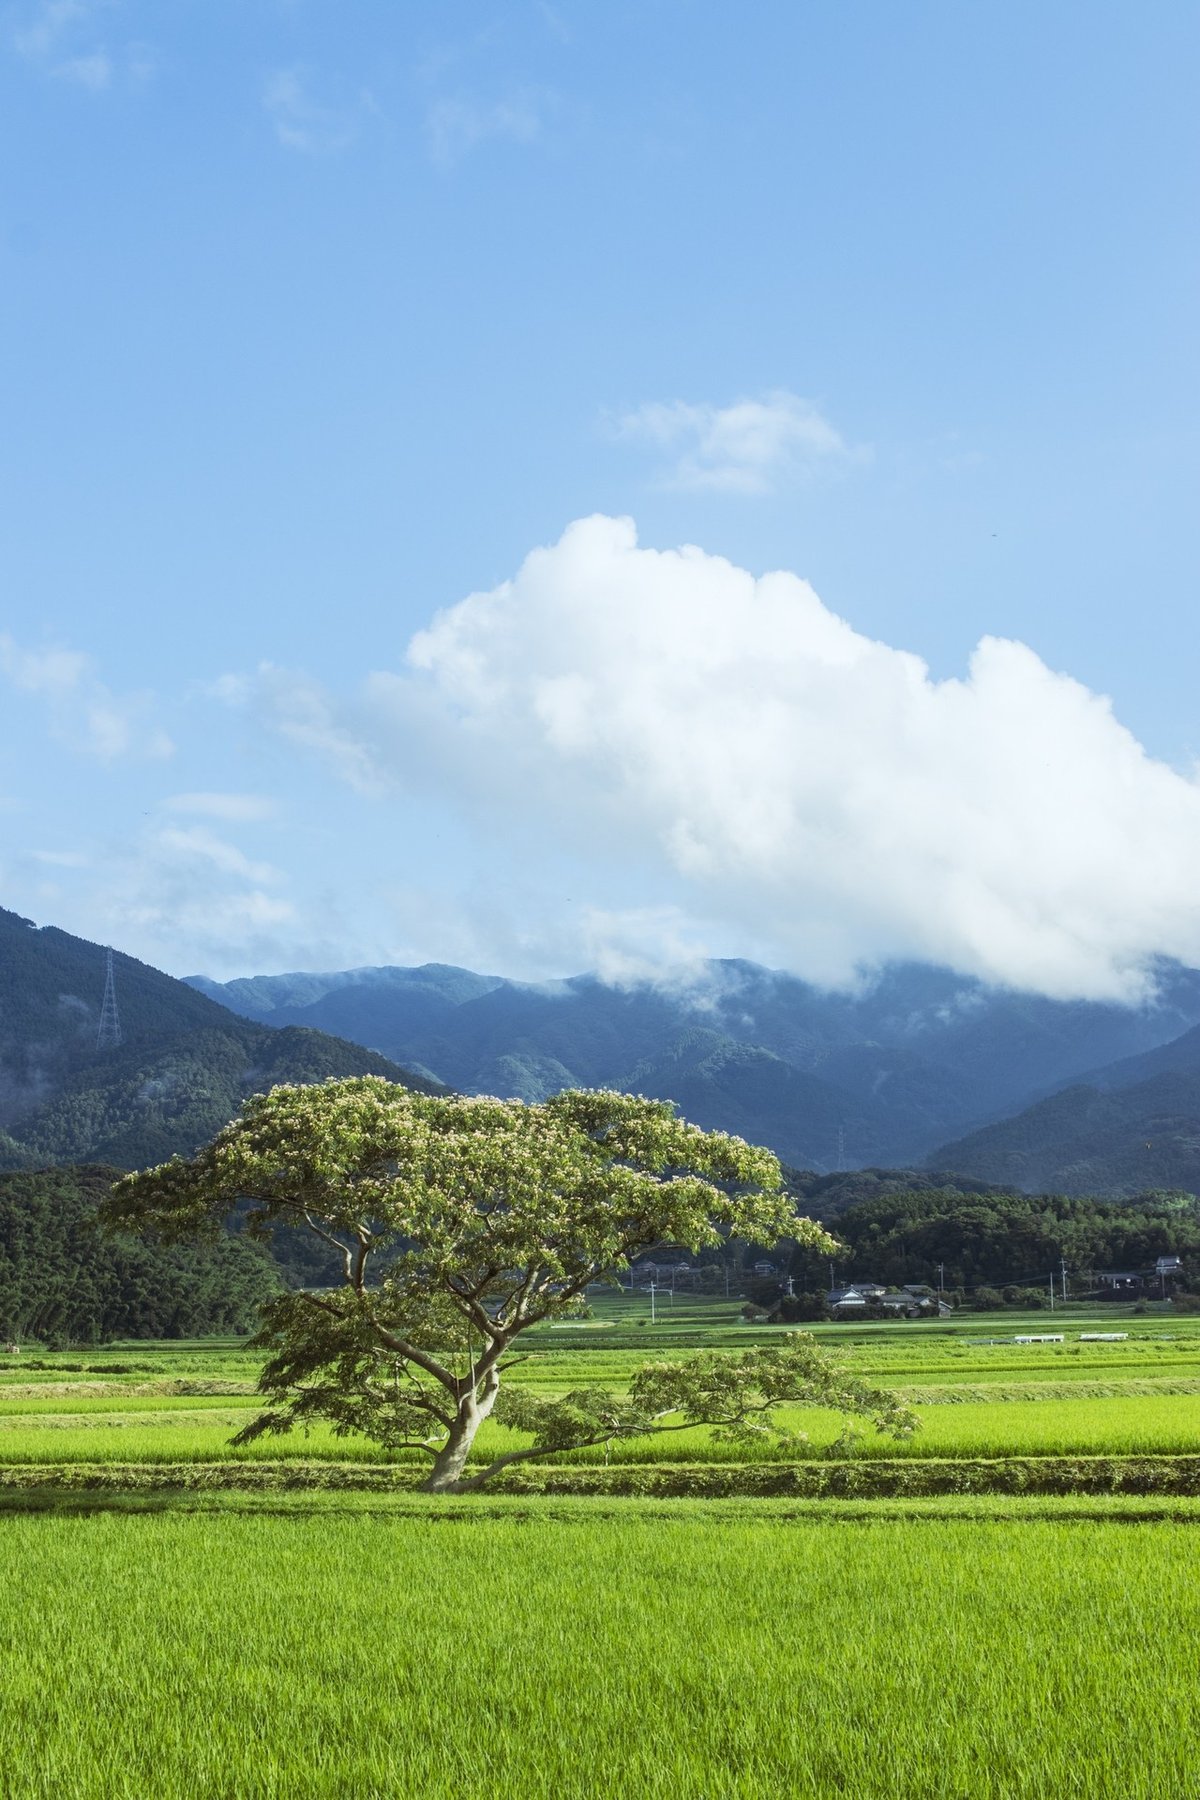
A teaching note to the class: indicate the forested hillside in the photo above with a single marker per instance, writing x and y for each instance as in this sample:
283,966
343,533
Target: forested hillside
1088,1141
63,1280
1000,1239
183,1068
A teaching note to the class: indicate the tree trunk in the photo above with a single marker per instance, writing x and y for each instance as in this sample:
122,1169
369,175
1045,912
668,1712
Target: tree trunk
445,1476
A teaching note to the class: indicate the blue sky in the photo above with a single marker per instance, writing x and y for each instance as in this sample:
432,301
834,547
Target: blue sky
317,319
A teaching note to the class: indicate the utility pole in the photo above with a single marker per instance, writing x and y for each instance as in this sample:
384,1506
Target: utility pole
653,1311
1052,1290
941,1277
1062,1263
841,1162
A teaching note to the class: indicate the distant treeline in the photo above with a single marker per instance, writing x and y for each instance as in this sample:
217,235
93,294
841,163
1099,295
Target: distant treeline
998,1239
62,1281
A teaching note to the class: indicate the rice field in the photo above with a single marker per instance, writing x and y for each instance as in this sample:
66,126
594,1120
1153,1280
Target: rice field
172,1404
117,1432
227,1645
520,1650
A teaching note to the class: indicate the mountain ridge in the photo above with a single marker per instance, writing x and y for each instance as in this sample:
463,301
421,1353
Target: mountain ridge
181,1071
915,1060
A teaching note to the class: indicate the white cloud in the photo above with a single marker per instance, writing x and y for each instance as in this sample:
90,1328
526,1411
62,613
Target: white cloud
458,126
646,943
180,899
747,448
738,751
94,71
59,36
83,712
305,124
46,26
204,846
300,711
239,809
60,859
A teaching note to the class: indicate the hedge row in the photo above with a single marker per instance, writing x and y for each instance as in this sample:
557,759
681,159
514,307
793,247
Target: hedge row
901,1478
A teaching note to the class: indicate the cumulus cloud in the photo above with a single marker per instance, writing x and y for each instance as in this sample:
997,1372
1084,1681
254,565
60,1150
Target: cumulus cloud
732,745
83,712
750,447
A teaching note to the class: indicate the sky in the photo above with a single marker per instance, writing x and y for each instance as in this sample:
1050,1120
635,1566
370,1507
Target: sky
562,486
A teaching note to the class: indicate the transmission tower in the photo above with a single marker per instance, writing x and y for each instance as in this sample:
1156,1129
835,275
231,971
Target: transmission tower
841,1161
109,1034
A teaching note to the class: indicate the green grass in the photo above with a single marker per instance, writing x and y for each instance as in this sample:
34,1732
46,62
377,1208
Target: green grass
549,1651
228,1644
1141,1396
194,1432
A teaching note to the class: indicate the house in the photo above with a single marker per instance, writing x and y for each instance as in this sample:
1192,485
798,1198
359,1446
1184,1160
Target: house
912,1302
1120,1280
662,1273
1168,1265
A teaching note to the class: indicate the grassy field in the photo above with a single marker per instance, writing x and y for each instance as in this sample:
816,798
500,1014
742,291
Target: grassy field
114,1432
279,1644
527,1650
992,1398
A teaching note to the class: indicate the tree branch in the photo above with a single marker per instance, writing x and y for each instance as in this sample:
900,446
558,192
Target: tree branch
388,1339
336,1243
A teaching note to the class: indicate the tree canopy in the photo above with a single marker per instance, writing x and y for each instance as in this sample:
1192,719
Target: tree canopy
460,1224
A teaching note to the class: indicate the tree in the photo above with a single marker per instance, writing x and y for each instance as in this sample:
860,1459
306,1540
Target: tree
463,1222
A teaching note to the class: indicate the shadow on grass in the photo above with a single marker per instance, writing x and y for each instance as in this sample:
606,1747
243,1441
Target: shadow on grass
476,1509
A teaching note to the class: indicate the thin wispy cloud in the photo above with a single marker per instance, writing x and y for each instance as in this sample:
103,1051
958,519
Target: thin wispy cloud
94,72
753,446
299,710
45,28
198,841
62,38
306,124
60,859
458,126
236,809
83,711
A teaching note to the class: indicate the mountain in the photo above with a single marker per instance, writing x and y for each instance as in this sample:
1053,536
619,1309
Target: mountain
881,1075
1179,1057
1088,1140
184,1065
